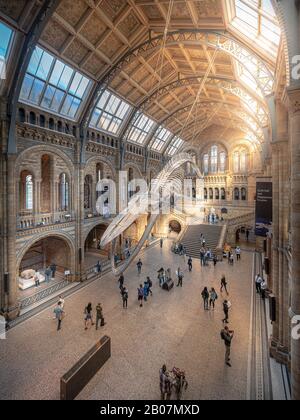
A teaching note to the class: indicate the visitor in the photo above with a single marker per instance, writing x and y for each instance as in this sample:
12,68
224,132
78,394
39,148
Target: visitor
61,301
48,274
258,282
99,316
140,295
88,316
150,284
59,314
238,253
139,266
161,243
247,235
202,254
98,267
146,291
180,276
215,260
161,277
226,307
164,383
53,268
205,297
190,264
224,284
231,259
121,281
125,297
212,298
37,279
263,288
227,337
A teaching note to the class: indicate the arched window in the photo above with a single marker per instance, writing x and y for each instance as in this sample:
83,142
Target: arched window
22,115
32,118
222,162
236,194
64,192
211,194
205,193
223,194
243,161
206,164
214,159
244,194
236,162
29,193
217,194
88,192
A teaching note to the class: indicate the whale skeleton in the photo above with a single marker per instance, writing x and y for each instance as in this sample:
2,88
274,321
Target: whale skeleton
170,173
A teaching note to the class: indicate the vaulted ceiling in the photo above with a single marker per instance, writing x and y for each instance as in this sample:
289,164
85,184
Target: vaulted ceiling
94,35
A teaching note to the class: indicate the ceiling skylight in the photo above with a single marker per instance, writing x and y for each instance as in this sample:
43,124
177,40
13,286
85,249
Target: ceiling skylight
175,145
109,113
53,85
161,137
6,35
257,20
140,129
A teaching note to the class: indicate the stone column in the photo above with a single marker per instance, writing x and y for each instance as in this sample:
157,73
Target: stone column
11,238
294,115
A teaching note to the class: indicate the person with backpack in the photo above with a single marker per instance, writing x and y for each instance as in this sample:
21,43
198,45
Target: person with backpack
88,316
205,297
224,284
190,264
212,298
59,314
140,295
227,337
150,284
99,316
226,307
146,291
125,297
139,266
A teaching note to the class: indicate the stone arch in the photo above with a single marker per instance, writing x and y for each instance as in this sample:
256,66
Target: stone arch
99,159
135,167
68,239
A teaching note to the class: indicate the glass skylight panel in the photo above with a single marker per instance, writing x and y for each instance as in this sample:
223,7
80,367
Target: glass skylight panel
257,20
160,139
175,145
6,35
51,84
109,113
140,129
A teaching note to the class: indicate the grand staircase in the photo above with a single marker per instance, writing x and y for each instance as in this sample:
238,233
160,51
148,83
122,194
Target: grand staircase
191,238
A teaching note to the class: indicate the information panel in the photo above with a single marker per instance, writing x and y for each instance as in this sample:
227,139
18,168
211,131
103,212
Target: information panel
264,208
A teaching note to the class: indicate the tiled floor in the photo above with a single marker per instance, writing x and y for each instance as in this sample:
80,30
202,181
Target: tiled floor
171,328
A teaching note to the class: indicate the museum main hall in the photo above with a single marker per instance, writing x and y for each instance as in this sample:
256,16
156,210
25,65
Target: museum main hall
150,200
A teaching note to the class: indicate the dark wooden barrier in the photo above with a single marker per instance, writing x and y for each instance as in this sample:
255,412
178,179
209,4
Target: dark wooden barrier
73,382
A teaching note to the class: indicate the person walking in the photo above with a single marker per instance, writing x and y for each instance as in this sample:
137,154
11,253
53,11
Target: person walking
238,253
53,268
141,295
59,314
215,260
98,267
121,281
202,254
37,279
227,337
263,288
205,297
212,298
125,297
258,282
180,277
88,316
226,307
190,264
48,274
99,316
161,243
150,284
146,291
164,384
224,284
247,235
139,266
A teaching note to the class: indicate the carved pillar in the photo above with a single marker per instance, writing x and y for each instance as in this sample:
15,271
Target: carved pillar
294,115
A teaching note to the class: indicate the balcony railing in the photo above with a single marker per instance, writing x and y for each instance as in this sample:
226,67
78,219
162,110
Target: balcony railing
27,220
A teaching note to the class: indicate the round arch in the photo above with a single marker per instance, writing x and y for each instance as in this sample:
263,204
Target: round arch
96,159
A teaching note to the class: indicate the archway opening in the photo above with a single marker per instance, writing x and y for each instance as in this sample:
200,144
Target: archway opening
49,261
92,248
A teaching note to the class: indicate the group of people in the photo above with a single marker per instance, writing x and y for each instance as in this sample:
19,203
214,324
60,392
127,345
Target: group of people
172,380
49,274
261,286
179,249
